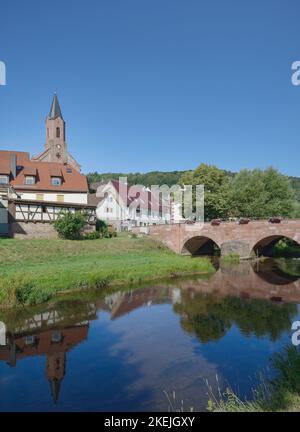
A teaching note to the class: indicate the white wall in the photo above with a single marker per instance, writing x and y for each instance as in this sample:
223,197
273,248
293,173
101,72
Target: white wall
76,198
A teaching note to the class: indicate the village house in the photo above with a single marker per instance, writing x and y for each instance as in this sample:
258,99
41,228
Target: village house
33,191
125,207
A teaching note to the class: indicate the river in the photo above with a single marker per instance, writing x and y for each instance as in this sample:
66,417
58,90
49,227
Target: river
151,348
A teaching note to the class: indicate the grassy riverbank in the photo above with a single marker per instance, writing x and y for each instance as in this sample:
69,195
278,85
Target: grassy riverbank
282,393
33,271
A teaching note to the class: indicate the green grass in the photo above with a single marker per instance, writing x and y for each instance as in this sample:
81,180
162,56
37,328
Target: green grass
33,271
231,258
282,393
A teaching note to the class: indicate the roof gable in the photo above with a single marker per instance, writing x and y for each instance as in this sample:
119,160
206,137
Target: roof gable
73,180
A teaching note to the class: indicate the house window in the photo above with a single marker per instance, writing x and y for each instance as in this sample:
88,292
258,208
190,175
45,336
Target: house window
60,198
40,197
57,132
29,180
56,337
3,179
56,181
29,340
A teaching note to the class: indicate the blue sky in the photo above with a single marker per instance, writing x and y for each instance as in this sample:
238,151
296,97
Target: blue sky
155,84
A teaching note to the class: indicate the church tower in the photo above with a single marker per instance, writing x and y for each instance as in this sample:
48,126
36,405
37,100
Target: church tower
56,134
56,369
56,147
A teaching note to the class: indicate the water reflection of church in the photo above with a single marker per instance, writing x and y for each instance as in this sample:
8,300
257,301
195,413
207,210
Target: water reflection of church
53,344
55,332
45,335
208,308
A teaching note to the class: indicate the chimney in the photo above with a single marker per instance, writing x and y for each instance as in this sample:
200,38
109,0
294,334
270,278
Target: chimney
13,165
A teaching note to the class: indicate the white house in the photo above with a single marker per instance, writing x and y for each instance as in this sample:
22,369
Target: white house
126,207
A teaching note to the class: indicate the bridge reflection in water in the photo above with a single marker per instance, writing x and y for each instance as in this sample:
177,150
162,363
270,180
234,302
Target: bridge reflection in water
234,295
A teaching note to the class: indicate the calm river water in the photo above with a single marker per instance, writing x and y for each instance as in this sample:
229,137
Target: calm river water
127,350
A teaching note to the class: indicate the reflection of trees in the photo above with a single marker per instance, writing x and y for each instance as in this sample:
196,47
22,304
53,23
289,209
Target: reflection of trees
209,318
289,267
279,271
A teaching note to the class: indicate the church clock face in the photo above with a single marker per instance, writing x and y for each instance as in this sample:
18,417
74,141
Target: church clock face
58,146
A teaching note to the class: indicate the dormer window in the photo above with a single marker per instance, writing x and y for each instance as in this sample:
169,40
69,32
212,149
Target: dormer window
30,174
56,181
29,180
56,176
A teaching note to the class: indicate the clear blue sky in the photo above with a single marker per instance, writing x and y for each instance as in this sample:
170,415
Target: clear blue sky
155,84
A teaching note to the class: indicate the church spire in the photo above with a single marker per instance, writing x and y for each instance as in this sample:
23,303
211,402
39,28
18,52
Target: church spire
55,110
55,388
56,147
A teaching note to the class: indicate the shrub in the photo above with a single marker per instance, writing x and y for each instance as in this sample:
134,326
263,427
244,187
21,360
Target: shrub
112,231
102,228
100,225
69,225
94,235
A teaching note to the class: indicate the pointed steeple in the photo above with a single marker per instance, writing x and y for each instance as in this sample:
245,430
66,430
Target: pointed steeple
55,388
56,147
55,110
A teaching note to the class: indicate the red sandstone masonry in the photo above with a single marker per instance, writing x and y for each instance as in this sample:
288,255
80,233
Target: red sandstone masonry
227,234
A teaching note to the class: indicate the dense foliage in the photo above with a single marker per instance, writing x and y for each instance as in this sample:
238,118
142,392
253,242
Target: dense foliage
261,194
69,225
216,184
255,194
147,179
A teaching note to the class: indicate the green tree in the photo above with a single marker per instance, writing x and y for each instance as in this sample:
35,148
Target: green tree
69,225
216,189
261,194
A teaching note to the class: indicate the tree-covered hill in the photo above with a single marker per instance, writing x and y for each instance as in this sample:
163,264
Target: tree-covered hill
168,178
147,179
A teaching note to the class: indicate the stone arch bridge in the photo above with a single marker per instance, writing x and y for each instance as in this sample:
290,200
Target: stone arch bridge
230,237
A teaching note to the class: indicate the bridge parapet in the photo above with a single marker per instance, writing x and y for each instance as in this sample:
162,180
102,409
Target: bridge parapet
230,237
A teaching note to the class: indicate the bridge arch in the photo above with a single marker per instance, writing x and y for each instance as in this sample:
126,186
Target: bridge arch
200,245
265,245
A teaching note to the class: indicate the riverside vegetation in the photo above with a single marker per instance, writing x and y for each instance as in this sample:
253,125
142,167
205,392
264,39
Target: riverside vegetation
33,271
282,393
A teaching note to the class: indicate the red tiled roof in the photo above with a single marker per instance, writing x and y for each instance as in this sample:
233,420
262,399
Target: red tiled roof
55,172
147,200
29,170
73,180
4,168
